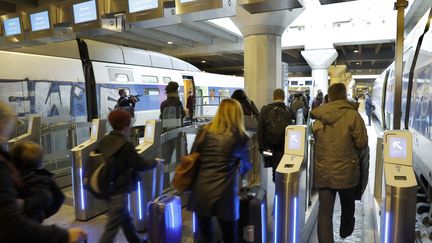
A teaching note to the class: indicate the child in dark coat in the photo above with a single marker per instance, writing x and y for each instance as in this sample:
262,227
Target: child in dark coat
41,197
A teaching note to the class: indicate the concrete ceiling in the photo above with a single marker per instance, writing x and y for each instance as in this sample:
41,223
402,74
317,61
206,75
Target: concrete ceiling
215,49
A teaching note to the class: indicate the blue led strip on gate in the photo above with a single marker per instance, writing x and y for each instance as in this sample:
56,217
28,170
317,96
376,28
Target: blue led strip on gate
193,223
263,228
139,201
386,234
81,189
275,219
295,221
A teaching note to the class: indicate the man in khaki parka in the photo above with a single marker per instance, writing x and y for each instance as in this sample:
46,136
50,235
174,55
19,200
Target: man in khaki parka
340,133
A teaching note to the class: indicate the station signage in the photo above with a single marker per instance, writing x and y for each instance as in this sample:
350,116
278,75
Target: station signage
40,21
92,17
12,26
200,10
85,12
142,5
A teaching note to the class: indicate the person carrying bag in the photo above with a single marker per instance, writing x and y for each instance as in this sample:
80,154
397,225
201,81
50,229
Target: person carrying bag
186,170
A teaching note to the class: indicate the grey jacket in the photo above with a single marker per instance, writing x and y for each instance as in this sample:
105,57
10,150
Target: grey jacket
215,189
340,133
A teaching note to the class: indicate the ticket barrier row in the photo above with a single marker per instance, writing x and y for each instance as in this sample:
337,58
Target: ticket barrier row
149,186
32,134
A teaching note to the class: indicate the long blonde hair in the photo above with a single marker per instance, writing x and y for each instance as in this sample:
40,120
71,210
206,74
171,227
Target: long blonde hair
229,117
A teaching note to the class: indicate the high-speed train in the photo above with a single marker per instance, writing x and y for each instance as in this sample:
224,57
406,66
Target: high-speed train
416,98
50,79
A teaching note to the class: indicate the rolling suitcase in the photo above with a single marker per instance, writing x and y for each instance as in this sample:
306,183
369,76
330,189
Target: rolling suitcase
253,215
165,219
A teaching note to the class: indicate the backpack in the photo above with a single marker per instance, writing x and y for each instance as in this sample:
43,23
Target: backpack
58,200
100,172
278,119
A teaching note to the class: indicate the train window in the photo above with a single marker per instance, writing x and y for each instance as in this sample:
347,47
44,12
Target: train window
149,79
294,82
308,82
166,80
151,91
117,75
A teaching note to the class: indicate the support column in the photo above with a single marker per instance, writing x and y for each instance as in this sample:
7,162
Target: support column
320,60
263,67
263,51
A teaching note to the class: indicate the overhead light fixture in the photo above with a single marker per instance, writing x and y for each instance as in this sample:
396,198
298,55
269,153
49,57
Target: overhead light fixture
169,43
242,69
358,63
356,51
203,61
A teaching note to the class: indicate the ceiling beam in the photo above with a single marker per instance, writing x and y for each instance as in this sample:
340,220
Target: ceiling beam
6,7
187,33
30,3
161,36
125,42
212,30
378,48
140,38
292,53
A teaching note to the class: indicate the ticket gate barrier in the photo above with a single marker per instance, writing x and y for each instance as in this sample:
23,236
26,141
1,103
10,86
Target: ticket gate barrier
399,202
86,205
289,202
32,134
150,182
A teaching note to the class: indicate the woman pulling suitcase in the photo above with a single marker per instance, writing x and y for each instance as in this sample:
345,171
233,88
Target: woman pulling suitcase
215,191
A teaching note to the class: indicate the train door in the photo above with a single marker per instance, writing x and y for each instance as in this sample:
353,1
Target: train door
189,89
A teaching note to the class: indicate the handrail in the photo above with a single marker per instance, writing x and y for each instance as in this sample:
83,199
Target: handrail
64,126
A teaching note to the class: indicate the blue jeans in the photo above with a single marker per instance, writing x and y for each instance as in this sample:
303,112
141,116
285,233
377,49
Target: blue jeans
118,216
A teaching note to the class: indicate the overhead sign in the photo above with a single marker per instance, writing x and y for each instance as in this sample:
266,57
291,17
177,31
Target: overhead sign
142,5
40,21
85,12
12,26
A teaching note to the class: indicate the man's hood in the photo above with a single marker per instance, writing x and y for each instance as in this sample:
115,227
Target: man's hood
331,112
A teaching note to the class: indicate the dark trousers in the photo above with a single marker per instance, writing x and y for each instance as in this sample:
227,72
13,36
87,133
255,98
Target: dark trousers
118,216
277,156
205,229
325,213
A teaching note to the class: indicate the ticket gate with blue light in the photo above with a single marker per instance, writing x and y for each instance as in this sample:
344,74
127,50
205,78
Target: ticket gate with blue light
32,134
150,183
86,206
289,202
398,211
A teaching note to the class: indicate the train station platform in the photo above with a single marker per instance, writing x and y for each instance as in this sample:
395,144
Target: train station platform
365,215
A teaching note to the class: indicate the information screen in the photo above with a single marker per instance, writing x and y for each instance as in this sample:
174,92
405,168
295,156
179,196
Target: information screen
39,21
142,5
94,130
398,147
85,12
12,26
149,131
294,140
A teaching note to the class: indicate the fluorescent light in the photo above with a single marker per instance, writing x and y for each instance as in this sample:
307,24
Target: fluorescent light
356,51
170,43
358,63
203,61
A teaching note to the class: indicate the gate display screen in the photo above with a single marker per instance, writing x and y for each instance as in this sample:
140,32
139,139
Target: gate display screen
294,140
12,26
398,147
85,12
142,5
39,21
